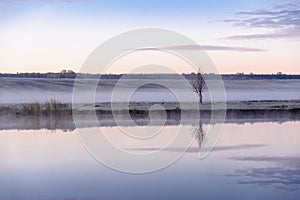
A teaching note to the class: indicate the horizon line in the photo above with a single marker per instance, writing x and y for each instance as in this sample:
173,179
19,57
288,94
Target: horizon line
236,73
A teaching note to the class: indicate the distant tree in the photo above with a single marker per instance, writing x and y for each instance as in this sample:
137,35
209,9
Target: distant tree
199,84
70,72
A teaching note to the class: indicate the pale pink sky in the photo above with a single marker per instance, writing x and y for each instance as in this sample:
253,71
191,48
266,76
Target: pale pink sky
51,36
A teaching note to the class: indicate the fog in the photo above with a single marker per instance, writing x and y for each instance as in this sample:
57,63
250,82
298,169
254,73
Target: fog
41,90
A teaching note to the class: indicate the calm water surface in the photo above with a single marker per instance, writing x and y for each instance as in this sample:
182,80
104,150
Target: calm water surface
250,161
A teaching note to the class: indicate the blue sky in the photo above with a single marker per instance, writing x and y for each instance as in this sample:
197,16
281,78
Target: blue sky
50,35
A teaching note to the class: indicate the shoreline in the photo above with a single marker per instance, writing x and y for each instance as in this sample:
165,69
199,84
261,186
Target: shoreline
141,109
16,108
54,115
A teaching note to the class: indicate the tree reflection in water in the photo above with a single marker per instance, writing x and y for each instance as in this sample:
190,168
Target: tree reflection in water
199,134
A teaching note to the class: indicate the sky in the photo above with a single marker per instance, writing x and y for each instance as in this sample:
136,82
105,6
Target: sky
258,36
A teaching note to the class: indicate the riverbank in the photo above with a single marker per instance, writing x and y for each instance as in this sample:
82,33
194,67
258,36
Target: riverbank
57,108
53,115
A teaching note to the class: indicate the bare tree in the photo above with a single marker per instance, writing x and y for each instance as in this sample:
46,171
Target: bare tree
199,84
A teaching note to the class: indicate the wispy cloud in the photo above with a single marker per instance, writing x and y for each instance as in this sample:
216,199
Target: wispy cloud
208,48
283,21
230,48
286,34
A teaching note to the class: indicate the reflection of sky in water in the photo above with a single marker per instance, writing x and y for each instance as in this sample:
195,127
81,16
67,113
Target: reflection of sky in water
251,161
278,171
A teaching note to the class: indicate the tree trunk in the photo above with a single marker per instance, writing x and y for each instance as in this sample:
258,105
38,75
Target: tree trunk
200,98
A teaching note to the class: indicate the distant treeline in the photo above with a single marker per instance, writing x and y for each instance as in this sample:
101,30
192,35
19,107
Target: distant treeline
149,76
39,75
259,76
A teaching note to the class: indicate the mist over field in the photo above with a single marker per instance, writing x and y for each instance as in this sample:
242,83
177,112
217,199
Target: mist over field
41,90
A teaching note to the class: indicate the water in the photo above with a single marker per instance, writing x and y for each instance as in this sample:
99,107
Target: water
251,161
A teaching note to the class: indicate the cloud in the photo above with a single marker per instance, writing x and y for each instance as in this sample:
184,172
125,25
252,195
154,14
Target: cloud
274,35
208,48
282,21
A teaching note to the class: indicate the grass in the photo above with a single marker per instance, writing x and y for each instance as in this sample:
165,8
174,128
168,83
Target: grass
49,108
